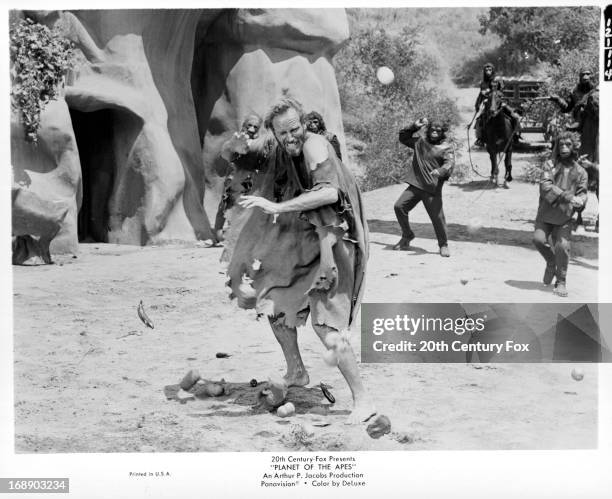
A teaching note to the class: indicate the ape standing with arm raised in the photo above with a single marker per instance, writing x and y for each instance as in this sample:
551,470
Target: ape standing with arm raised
432,164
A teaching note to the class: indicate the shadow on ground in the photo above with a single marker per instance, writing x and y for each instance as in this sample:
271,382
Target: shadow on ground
585,247
526,285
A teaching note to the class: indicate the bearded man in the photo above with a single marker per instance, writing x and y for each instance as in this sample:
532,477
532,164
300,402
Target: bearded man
303,249
432,164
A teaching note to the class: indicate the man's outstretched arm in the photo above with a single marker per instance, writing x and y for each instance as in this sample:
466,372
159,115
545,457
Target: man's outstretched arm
316,155
303,202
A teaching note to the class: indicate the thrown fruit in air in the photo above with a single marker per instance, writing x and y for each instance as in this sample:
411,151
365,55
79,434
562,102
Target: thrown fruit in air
385,75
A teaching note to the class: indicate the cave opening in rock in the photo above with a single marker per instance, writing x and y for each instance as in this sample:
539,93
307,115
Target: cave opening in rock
94,137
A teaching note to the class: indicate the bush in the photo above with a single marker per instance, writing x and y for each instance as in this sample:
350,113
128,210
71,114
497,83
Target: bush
533,170
563,76
376,111
40,58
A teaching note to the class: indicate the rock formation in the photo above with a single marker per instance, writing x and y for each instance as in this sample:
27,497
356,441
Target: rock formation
132,150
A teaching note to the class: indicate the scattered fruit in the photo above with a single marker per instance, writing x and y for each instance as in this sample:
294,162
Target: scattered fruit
379,427
190,379
286,410
213,389
577,374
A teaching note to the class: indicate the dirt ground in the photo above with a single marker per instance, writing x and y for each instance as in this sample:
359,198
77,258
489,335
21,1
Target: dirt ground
90,377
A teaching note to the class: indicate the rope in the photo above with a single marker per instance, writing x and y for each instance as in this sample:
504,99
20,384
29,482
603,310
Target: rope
470,154
503,153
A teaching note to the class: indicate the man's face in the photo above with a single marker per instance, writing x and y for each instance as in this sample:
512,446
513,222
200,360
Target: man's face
313,125
488,70
585,77
289,132
565,148
435,134
251,127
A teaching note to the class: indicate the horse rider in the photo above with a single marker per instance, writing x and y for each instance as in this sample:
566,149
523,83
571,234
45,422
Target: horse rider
489,83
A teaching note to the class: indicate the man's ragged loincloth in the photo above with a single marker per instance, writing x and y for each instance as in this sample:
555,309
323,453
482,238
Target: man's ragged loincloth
310,262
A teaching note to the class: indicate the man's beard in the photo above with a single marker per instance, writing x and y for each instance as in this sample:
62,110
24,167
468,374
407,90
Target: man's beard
294,149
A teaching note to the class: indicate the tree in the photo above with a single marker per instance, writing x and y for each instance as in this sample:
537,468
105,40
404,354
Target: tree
541,34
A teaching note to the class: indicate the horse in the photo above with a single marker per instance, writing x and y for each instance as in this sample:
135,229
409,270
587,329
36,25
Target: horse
499,132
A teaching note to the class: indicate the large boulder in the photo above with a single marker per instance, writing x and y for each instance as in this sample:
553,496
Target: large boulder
46,175
35,223
247,59
135,141
137,79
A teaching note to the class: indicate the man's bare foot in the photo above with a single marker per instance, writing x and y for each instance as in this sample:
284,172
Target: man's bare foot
297,379
362,412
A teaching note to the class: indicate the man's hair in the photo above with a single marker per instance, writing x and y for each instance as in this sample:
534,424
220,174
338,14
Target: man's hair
314,115
573,137
281,107
488,65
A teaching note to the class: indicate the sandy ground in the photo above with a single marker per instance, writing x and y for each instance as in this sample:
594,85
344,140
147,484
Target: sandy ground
89,377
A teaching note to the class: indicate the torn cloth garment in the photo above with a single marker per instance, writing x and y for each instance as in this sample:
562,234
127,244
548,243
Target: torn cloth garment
311,262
